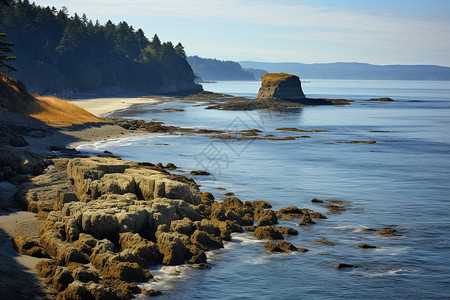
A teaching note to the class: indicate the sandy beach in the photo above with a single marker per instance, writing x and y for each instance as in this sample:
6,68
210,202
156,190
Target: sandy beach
103,106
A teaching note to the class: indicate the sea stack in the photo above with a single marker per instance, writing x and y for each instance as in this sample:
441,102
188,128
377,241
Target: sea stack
281,86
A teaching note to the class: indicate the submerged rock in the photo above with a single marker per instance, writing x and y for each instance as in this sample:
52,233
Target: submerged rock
200,172
388,232
344,266
381,99
325,242
366,246
281,246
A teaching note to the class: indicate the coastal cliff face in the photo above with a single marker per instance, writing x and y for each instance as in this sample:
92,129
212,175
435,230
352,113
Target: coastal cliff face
281,86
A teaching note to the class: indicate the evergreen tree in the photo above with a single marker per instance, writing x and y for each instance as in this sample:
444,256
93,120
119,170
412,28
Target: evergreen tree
156,43
57,52
5,54
179,49
70,39
5,50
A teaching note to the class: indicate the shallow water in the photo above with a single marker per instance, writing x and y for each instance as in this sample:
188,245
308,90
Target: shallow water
403,181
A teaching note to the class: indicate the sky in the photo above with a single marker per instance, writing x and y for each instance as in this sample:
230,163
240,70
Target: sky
379,32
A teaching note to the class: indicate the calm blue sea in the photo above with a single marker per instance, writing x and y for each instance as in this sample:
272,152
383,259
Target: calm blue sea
402,181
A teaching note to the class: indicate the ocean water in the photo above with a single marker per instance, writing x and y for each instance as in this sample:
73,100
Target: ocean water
402,181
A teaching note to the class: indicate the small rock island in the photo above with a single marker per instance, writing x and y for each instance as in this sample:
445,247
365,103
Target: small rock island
278,91
281,86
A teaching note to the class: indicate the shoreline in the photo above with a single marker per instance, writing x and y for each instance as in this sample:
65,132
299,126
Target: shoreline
223,218
105,106
12,221
17,222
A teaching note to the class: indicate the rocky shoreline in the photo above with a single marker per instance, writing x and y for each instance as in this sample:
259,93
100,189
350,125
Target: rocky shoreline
228,102
106,220
103,221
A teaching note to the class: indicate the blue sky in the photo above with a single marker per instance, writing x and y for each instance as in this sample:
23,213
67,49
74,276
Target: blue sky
310,31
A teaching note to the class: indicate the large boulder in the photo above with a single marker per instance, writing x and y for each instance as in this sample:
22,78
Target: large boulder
171,247
265,217
281,86
97,176
267,233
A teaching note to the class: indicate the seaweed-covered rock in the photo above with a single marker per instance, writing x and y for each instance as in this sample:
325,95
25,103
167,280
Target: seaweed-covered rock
27,246
60,279
290,212
75,291
46,268
388,232
64,252
184,226
267,233
96,176
261,204
281,246
172,247
265,217
206,241
83,274
286,231
324,242
306,219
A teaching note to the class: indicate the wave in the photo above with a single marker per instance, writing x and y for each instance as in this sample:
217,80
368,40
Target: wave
145,139
392,250
367,273
165,277
245,238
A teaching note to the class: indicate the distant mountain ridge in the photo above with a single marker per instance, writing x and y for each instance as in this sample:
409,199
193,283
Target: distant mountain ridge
345,70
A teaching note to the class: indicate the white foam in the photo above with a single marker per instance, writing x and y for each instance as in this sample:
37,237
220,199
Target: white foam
361,228
377,273
165,277
244,238
147,139
392,250
257,260
349,227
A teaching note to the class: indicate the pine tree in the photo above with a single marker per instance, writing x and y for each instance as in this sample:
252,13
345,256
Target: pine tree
5,57
5,49
70,39
179,49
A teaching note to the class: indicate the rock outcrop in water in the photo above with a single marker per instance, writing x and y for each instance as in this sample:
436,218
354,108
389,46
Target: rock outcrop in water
278,91
281,86
120,217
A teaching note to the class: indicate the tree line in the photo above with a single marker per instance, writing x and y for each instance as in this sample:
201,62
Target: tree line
58,53
213,69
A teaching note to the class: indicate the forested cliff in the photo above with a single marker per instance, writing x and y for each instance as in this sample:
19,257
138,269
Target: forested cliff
213,69
58,53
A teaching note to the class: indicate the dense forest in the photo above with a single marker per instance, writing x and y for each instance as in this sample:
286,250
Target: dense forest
213,69
58,53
